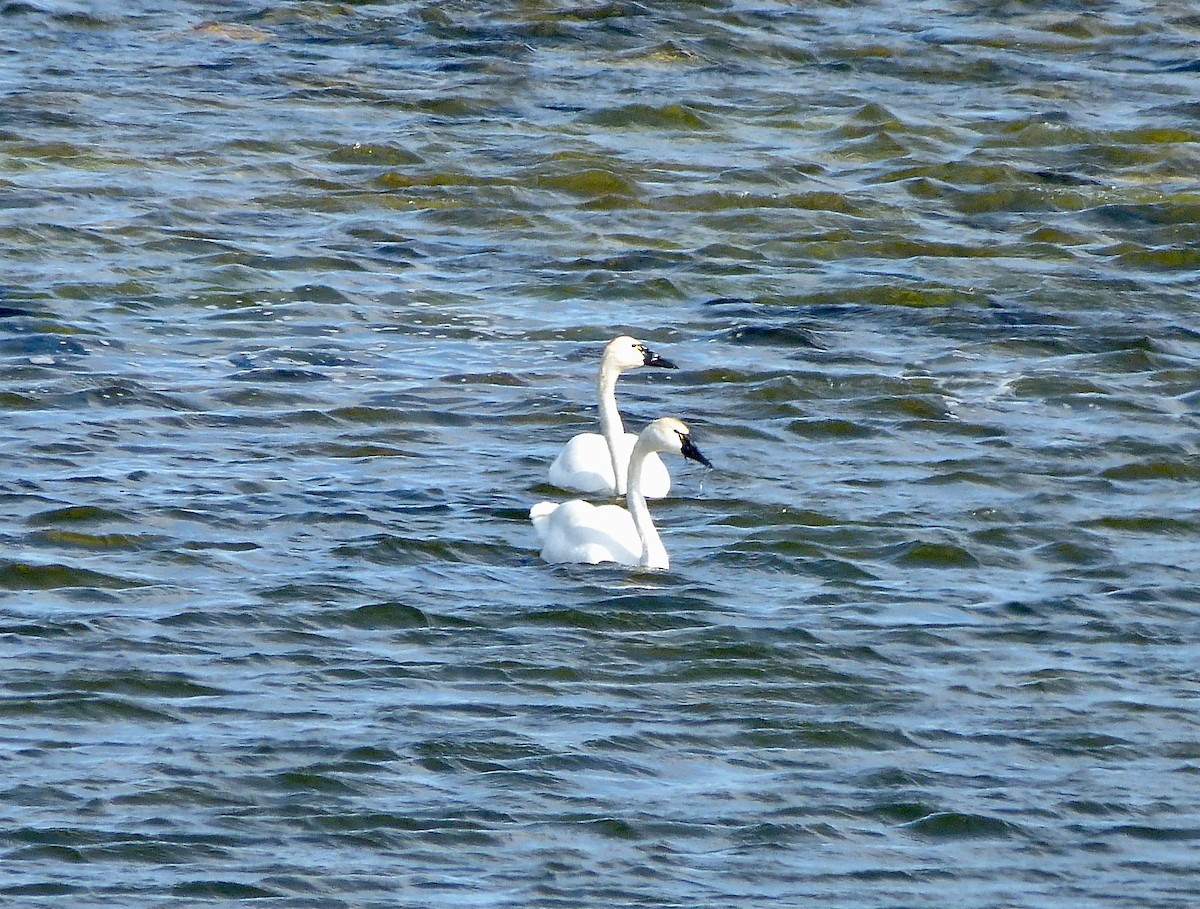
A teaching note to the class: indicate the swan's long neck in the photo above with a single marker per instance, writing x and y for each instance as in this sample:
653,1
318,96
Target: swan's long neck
654,554
611,426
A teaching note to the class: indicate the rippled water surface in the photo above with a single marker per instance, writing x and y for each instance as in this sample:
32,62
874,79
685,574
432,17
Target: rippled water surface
297,302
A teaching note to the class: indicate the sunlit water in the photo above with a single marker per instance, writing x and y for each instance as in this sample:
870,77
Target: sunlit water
300,301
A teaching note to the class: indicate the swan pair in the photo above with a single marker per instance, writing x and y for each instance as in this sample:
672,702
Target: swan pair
613,462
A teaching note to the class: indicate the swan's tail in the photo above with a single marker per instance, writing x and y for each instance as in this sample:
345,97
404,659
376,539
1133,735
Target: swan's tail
539,514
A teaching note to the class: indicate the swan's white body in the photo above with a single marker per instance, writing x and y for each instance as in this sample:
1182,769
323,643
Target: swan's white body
598,463
586,465
578,531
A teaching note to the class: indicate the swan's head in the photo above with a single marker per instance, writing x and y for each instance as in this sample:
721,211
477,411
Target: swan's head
669,434
629,353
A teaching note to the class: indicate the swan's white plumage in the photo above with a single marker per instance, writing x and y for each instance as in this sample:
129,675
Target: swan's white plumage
585,465
579,531
598,463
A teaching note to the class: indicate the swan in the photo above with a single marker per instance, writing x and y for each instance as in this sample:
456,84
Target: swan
589,462
579,531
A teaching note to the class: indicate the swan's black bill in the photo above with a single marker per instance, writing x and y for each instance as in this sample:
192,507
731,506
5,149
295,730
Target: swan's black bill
690,451
650,358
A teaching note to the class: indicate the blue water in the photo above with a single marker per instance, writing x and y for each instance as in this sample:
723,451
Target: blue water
298,303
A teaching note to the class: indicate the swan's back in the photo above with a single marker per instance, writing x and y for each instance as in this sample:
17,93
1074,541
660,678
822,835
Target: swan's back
656,481
578,531
539,514
584,465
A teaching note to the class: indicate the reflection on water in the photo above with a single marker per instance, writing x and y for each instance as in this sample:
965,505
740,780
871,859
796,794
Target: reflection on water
297,305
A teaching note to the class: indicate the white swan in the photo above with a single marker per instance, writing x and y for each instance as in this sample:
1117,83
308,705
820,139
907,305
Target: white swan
579,531
590,461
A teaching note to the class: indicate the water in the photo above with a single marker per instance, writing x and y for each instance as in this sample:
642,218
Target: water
298,303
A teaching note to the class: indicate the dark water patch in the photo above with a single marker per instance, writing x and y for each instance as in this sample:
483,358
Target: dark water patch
263,398
174,796
838,245
1090,809
1169,258
894,777
41,888
775,835
10,401
1183,211
124,393
170,686
782,390
927,408
221,545
1096,745
831,428
17,8
838,570
602,286
1159,469
784,546
607,827
426,179
73,539
670,117
1057,387
1146,524
391,824
54,854
85,708
845,735
283,263
1071,552
77,837
948,476
756,335
353,450
476,757
77,514
1004,538
282,375
374,155
1020,200
51,576
715,201
906,294
43,347
778,516
932,555
950,825
904,812
1060,178
612,620
212,889
589,183
1158,834
642,260
381,615
769,385
46,629
309,780
390,549
493,378
156,852
380,415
